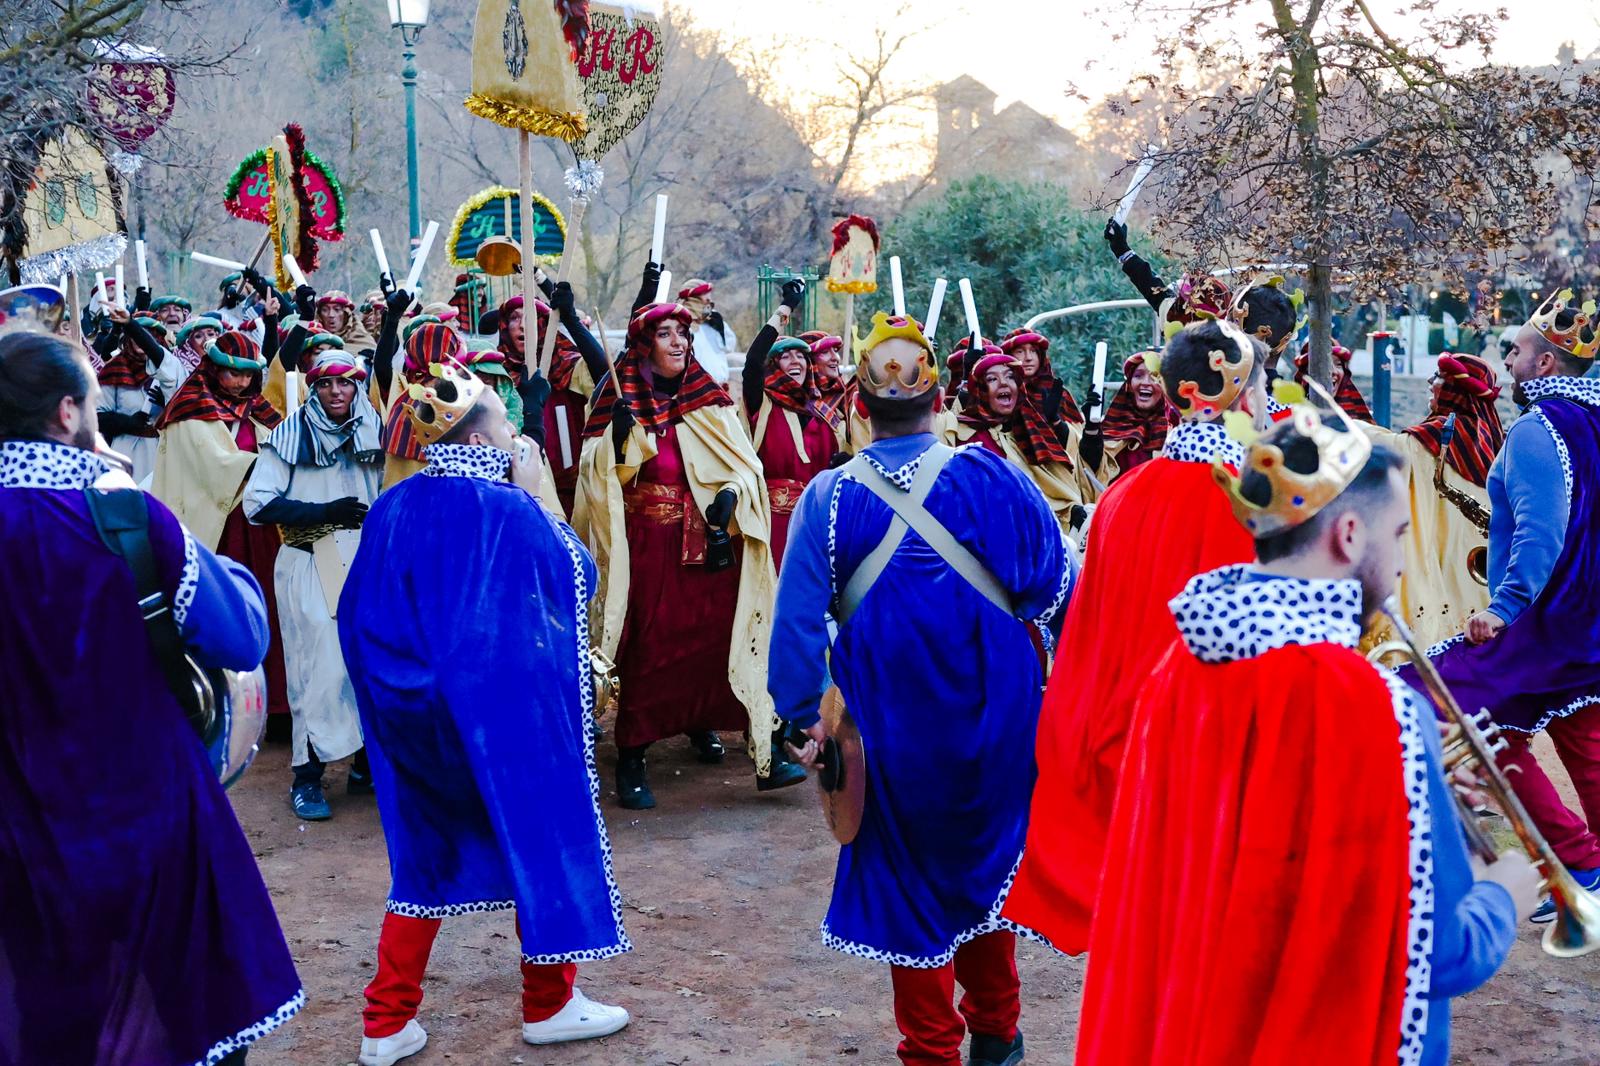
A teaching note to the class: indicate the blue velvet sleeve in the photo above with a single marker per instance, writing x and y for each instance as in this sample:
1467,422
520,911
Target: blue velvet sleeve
1537,490
797,674
218,606
1474,922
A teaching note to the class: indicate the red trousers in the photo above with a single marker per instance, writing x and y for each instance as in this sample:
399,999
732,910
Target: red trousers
933,1030
1577,741
396,989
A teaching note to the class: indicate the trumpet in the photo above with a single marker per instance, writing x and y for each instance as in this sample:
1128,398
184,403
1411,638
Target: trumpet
1471,509
1473,742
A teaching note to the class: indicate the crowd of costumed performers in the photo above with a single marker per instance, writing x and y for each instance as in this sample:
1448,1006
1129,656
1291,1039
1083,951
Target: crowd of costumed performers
782,543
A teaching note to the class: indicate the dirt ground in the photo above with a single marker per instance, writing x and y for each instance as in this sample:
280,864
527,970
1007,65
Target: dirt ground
724,891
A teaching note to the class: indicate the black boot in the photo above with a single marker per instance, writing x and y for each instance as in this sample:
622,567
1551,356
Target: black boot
708,746
359,782
633,791
993,1051
784,773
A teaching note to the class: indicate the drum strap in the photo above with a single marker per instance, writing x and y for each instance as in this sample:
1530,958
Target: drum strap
122,518
911,514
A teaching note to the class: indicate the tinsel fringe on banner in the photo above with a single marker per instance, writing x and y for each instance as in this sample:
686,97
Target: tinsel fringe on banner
568,127
584,179
487,196
98,253
854,287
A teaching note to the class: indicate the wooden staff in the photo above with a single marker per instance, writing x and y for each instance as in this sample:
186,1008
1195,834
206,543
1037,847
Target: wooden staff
574,217
530,320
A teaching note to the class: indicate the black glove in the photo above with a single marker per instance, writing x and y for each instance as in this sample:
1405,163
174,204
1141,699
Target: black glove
141,299
563,302
305,303
397,301
1092,401
794,294
348,512
1117,237
231,297
714,320
257,282
546,285
622,423
720,513
652,274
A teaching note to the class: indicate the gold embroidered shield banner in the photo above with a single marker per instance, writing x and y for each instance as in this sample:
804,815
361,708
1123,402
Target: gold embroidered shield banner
620,70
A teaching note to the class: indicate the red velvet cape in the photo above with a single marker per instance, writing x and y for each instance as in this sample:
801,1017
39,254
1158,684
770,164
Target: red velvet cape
1156,527
1255,895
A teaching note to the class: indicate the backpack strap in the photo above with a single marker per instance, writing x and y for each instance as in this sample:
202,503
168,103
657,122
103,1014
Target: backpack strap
911,514
122,519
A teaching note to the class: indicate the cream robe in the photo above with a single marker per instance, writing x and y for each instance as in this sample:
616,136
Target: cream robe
717,454
1436,592
200,474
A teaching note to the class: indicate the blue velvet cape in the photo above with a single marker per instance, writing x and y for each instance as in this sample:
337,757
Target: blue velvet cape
463,623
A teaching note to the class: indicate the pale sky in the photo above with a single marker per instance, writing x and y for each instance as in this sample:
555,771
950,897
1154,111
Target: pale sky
1030,50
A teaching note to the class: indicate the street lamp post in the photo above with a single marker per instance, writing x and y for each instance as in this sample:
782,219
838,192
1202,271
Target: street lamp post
410,16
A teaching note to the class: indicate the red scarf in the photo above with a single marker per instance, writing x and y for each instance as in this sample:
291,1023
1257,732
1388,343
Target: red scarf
1037,440
1041,383
563,361
201,399
1347,396
1146,431
654,411
128,369
1468,393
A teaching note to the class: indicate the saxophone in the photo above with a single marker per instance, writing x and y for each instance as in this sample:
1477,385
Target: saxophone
1470,508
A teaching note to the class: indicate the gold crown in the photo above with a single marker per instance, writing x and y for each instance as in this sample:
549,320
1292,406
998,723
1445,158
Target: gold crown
1297,496
1233,365
438,408
1238,311
1581,339
895,373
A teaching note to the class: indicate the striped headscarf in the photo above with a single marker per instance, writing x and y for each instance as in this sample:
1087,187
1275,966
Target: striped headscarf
655,413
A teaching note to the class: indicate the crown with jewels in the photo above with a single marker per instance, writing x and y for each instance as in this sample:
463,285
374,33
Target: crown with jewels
1300,488
1581,339
896,373
438,408
1234,363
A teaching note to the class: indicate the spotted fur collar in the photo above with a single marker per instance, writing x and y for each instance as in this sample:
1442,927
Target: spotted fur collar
42,464
1236,613
483,461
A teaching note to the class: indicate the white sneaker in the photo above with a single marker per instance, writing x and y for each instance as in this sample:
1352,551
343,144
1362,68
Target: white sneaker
388,1050
581,1019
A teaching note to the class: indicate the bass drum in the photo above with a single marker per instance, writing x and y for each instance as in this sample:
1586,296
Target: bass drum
240,722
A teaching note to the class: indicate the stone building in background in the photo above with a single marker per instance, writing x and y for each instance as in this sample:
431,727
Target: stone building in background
1017,142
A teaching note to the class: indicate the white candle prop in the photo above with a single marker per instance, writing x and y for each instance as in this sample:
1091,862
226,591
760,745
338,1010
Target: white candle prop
383,260
897,285
973,329
422,255
291,393
216,261
144,269
122,300
935,306
294,269
100,287
660,231
1100,348
664,287
1142,171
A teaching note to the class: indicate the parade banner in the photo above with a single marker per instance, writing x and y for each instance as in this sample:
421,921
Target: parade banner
69,214
620,72
497,212
285,187
522,71
129,94
853,260
249,194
